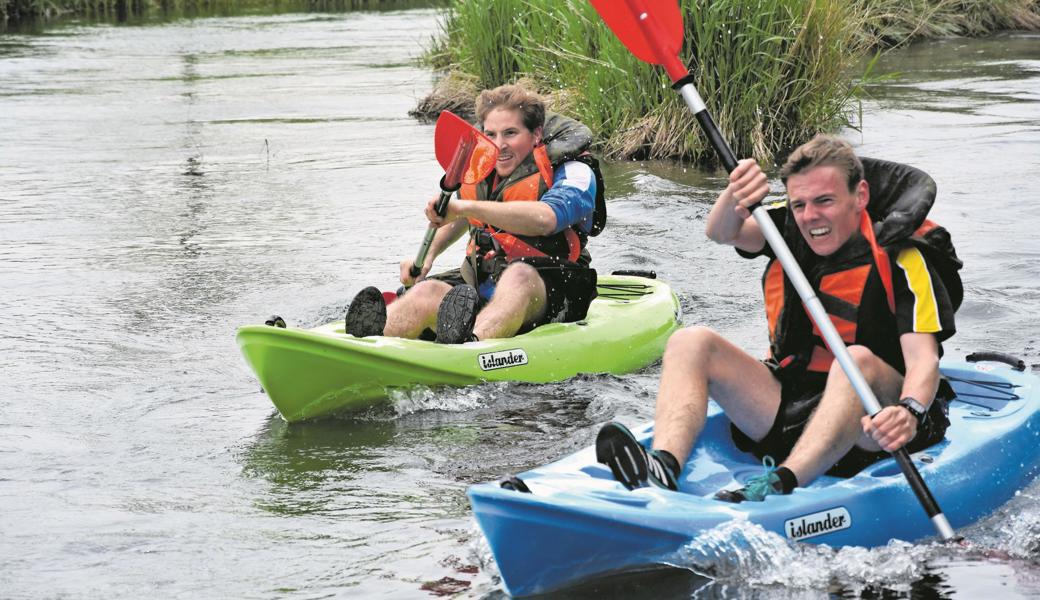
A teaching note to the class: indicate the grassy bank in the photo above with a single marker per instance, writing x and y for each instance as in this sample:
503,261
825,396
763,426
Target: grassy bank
889,23
773,71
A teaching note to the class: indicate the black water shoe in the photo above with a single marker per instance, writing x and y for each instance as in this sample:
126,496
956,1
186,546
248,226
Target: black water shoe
457,314
367,313
632,464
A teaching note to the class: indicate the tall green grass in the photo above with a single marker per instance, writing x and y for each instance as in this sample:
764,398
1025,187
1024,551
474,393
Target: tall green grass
773,72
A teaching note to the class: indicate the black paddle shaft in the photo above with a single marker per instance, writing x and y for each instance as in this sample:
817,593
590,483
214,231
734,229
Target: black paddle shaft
729,160
441,207
917,484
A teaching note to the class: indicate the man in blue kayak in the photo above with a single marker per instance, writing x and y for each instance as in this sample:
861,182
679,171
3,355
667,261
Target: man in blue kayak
528,224
798,409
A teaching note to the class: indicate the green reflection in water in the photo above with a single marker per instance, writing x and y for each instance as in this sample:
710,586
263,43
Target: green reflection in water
34,16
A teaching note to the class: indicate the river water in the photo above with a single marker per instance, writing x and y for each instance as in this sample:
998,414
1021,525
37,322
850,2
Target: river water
161,185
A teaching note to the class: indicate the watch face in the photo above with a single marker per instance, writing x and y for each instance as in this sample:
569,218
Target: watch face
914,407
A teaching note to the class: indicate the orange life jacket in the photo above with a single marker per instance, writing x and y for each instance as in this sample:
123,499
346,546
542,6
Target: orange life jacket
527,183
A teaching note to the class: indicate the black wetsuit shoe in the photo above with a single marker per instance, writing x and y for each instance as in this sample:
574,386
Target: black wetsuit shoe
457,314
630,462
367,313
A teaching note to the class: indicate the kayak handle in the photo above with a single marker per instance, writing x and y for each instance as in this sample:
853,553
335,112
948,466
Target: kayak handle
1015,363
515,484
636,273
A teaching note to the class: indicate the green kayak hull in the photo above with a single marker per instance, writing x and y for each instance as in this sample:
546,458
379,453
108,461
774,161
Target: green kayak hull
310,373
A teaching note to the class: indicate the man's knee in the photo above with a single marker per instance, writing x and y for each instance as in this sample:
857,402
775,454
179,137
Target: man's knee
521,278
424,294
519,273
882,377
864,359
696,340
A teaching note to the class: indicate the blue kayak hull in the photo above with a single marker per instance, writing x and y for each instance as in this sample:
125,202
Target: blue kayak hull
577,523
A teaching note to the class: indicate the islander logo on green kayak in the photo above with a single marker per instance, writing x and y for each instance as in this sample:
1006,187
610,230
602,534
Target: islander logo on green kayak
503,359
833,519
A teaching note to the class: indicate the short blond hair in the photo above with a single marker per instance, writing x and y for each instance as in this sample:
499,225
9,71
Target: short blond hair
512,97
825,150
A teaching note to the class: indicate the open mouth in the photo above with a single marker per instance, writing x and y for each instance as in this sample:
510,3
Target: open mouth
819,231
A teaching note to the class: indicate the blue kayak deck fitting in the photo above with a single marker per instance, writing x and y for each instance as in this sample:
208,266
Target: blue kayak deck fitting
578,523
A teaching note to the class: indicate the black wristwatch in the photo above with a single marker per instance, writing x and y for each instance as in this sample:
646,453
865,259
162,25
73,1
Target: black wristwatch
916,409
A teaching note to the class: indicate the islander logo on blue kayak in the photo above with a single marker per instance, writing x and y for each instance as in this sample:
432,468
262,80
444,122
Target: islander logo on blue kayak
832,519
503,359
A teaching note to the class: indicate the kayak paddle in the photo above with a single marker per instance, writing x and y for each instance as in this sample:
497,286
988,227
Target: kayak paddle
652,30
467,156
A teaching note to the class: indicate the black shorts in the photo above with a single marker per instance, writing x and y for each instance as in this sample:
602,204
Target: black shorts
798,400
569,289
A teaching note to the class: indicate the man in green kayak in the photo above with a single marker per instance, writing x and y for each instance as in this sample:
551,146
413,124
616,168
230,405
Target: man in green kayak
798,409
528,224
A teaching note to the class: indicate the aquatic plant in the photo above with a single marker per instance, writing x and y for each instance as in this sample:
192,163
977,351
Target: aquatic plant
889,23
774,72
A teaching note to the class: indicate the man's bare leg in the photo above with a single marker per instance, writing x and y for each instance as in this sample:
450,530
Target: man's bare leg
519,299
834,427
699,362
415,311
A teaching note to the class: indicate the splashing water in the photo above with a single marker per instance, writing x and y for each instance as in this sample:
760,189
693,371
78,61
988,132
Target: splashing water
422,398
741,552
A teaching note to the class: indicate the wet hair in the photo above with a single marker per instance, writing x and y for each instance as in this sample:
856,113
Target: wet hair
512,97
825,151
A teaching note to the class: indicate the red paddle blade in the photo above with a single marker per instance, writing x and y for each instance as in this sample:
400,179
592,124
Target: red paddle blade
465,154
652,30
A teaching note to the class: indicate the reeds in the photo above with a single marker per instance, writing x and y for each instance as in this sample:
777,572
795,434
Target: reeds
773,72
889,23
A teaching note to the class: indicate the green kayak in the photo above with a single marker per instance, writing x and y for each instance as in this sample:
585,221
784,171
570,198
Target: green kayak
309,373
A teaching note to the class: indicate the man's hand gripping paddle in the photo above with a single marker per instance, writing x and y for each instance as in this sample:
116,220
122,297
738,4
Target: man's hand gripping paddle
653,31
467,156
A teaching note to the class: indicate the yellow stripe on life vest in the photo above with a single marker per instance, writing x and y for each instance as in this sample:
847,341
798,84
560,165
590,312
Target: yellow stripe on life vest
919,280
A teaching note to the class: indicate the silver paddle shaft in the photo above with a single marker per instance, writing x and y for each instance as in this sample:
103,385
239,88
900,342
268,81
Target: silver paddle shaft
424,249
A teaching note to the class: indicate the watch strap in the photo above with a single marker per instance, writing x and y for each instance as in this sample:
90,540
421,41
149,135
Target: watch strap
918,410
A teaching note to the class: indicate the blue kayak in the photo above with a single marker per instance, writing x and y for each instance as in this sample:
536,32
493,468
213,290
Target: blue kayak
576,523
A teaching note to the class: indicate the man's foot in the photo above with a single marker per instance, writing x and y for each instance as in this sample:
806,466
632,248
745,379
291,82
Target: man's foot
630,462
457,314
758,487
367,313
